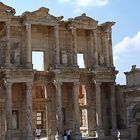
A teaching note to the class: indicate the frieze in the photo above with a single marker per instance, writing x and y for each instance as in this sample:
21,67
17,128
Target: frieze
19,74
41,15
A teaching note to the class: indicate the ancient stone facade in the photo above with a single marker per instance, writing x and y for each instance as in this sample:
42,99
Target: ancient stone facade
63,94
128,106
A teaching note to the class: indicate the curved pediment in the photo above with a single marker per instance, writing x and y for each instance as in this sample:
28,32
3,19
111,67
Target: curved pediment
41,13
6,10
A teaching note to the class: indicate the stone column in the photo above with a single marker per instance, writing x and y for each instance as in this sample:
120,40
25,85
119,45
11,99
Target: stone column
106,41
29,111
100,130
8,42
76,112
48,110
8,108
57,53
113,110
74,45
110,47
95,46
59,119
92,53
28,46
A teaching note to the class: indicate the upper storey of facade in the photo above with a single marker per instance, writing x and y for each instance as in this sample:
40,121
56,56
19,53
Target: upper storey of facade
133,78
78,42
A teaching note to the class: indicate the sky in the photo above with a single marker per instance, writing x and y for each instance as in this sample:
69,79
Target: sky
125,33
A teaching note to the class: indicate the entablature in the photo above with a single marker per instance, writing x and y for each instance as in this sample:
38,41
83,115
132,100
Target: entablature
6,12
41,17
82,22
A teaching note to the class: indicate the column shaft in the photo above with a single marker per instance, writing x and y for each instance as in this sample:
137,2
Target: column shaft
76,112
28,45
95,46
8,40
57,55
110,47
92,53
75,45
106,40
8,108
59,115
48,110
98,105
29,110
113,106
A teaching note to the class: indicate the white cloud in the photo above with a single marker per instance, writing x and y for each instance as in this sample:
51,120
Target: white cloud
63,1
126,53
91,3
85,3
127,45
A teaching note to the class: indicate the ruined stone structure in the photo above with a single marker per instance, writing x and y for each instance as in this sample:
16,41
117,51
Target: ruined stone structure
128,106
63,94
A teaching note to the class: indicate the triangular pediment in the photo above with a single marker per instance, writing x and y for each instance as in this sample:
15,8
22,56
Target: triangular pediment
4,9
85,18
41,13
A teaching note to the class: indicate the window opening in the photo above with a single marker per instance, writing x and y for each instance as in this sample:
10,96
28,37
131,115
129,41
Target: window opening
80,60
38,60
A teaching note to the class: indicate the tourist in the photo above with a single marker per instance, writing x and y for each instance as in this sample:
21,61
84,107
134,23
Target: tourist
68,134
65,135
38,132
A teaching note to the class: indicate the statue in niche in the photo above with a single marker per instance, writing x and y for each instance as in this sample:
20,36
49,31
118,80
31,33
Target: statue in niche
101,60
14,120
16,54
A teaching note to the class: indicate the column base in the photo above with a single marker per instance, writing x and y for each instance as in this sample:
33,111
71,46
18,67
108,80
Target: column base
77,136
100,133
58,137
114,132
29,65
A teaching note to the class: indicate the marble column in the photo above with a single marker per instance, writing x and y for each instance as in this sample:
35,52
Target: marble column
110,47
95,47
48,110
74,45
29,111
92,53
59,119
113,110
57,53
8,43
76,112
100,130
8,108
28,46
106,42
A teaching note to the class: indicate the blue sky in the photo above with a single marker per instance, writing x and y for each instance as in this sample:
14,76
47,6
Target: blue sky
126,31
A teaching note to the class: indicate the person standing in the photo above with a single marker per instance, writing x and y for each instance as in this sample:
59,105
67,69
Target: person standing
68,134
65,135
38,133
